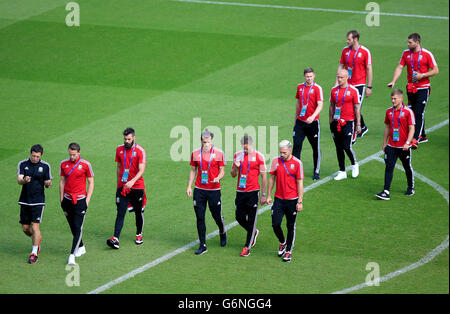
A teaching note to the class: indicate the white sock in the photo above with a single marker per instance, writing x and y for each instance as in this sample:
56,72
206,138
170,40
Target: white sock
34,249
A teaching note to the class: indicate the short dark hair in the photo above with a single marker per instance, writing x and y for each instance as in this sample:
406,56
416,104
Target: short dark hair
74,146
37,149
415,37
308,70
128,131
397,92
246,139
354,34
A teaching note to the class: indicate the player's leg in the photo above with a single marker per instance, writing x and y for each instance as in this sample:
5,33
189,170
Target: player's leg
290,210
215,207
390,159
313,135
200,202
122,206
405,157
137,199
347,133
79,215
241,209
298,138
338,143
252,210
277,219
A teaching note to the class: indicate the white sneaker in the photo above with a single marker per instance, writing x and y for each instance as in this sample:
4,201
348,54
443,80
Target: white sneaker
341,175
71,260
355,170
81,251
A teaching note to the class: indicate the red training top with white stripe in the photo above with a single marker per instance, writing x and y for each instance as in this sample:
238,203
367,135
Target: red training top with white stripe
217,161
359,69
427,62
139,157
406,119
75,184
286,184
315,94
257,165
351,98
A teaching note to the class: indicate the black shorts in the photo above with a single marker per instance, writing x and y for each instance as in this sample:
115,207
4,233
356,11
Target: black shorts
29,214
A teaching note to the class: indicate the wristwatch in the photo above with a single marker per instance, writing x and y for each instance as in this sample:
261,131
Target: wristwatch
300,202
369,87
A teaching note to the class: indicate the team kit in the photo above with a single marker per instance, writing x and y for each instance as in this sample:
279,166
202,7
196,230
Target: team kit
404,131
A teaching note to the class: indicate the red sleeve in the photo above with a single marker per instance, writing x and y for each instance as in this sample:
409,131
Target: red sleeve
142,157
117,154
319,94
297,95
220,159
402,60
342,61
386,118
193,162
332,100
261,163
61,172
89,171
411,120
273,167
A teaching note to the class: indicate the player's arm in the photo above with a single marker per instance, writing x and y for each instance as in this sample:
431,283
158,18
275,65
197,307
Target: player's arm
369,71
140,173
331,112
386,135
357,109
90,189
319,108
270,188
263,197
300,195
221,174
430,73
48,183
191,180
297,110
235,168
411,129
62,183
397,73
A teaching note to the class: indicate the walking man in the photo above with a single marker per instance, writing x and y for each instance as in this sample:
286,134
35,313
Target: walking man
398,133
421,65
309,105
286,173
74,172
207,169
248,166
131,161
344,119
33,174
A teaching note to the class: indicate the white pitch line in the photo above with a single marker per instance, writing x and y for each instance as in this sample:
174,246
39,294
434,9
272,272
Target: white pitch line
313,9
235,223
429,257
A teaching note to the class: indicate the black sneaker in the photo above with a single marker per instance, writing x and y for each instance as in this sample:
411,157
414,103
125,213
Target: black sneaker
409,191
384,195
223,239
423,139
316,176
113,242
201,249
33,258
